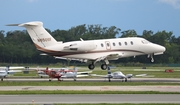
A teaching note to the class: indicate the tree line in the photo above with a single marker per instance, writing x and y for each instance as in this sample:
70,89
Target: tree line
17,47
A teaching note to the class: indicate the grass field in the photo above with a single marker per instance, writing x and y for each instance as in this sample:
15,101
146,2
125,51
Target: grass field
107,104
78,83
158,72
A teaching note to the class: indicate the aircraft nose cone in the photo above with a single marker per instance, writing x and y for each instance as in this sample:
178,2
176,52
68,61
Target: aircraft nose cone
159,50
162,48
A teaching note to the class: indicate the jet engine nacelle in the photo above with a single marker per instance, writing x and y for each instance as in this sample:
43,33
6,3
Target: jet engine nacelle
81,46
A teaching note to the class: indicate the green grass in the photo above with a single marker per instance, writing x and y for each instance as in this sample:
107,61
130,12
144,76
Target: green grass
78,83
124,104
109,104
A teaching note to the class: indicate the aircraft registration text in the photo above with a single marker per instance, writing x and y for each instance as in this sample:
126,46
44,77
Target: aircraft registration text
44,39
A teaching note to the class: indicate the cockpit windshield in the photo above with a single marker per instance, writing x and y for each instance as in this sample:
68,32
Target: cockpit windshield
145,41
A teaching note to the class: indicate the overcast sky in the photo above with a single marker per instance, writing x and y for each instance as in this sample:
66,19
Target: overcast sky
155,15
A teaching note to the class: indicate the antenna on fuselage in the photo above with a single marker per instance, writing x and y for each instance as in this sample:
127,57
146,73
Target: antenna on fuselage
81,39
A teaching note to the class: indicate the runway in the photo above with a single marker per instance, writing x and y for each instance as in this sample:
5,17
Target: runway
90,98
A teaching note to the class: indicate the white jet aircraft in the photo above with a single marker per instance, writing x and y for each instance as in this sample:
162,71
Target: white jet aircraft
90,50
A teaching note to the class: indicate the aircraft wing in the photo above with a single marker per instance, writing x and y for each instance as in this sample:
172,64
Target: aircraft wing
109,56
81,76
141,75
14,71
65,76
96,57
102,76
84,72
2,71
144,75
12,67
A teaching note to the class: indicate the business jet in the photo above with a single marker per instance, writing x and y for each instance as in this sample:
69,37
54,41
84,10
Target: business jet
64,73
90,50
4,71
118,75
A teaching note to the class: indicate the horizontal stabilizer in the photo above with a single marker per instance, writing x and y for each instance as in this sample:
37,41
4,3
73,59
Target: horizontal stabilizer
35,23
141,75
12,24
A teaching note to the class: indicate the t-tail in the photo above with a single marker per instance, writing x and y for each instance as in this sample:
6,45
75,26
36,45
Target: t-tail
7,69
38,34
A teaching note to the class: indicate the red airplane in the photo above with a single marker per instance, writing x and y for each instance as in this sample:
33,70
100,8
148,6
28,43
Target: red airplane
64,73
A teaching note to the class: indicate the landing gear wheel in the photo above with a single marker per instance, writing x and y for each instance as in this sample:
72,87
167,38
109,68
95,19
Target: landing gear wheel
91,66
109,79
125,79
103,66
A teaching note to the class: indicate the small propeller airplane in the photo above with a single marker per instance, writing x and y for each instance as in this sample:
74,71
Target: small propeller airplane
118,75
90,50
41,71
64,73
4,71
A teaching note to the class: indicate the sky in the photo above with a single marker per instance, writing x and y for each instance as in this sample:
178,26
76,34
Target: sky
139,15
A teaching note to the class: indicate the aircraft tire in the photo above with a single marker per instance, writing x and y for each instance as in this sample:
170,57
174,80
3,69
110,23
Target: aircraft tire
103,66
91,66
125,79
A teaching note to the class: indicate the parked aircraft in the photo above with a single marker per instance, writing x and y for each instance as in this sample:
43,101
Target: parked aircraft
41,71
60,74
90,50
4,71
118,75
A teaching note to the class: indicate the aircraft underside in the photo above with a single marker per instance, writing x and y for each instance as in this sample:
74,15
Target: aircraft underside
105,57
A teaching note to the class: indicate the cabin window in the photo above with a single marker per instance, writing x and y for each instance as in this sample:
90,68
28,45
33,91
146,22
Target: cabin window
119,43
102,45
114,44
107,44
125,43
132,43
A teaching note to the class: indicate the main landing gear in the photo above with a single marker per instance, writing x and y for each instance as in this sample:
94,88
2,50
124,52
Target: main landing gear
92,66
103,66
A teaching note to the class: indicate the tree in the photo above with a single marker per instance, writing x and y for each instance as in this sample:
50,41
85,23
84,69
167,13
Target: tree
129,33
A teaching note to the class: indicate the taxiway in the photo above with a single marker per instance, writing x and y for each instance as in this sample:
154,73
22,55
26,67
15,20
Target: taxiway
90,98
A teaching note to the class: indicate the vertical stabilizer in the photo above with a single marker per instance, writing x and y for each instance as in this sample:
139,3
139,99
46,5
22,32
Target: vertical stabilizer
38,34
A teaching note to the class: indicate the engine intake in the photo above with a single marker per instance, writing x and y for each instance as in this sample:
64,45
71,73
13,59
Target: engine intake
81,46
